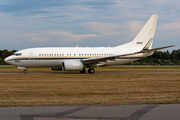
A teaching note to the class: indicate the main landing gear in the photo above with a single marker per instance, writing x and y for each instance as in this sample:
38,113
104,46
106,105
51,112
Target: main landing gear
25,71
90,71
83,71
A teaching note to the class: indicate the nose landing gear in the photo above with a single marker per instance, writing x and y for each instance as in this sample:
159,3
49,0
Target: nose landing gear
25,71
23,68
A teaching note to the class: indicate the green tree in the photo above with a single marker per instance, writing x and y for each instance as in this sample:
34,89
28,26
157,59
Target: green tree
166,55
178,55
1,61
3,56
1,52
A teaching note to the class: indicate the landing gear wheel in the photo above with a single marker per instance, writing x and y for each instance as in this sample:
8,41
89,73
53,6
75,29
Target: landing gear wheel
91,70
25,71
83,71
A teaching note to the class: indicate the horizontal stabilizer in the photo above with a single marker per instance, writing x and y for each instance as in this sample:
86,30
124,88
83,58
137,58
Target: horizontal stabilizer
154,49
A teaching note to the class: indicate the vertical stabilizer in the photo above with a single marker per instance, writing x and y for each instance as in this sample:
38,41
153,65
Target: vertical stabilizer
145,36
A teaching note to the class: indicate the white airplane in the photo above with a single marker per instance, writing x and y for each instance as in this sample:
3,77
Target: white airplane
79,58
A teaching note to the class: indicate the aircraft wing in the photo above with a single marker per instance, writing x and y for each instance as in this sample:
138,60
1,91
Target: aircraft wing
96,60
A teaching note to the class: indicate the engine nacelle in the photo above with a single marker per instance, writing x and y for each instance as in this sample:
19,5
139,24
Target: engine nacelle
72,65
56,68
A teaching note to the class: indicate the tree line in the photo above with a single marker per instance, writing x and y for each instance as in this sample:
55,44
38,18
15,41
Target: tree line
5,53
158,58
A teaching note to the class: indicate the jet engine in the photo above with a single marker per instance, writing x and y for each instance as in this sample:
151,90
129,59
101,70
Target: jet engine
72,65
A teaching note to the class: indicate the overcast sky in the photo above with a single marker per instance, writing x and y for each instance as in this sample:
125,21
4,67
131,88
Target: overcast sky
60,23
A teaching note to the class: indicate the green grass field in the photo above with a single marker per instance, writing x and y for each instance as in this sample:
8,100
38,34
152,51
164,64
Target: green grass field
89,89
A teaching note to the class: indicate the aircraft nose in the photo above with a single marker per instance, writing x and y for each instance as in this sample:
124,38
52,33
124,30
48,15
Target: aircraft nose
6,59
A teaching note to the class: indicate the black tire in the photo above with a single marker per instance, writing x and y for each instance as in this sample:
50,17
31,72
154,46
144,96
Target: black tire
25,71
83,71
91,71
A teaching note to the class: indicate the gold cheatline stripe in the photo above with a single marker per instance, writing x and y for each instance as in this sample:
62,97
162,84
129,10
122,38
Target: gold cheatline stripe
57,57
70,57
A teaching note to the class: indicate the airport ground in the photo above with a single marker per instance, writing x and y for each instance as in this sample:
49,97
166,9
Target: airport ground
112,93
122,112
109,86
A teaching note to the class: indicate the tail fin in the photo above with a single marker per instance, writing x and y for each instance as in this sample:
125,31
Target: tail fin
145,37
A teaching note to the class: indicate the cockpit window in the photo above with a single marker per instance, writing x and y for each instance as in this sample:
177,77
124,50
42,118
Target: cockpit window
17,54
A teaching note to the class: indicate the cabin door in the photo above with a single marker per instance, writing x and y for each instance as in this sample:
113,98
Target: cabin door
31,55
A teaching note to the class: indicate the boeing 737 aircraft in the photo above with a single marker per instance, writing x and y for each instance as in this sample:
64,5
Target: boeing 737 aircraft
79,58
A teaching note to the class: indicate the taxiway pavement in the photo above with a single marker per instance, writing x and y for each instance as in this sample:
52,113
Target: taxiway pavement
123,112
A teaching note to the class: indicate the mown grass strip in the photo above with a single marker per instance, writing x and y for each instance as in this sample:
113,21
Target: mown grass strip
87,89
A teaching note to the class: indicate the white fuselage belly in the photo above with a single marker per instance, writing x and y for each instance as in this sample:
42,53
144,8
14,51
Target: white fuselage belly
53,57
